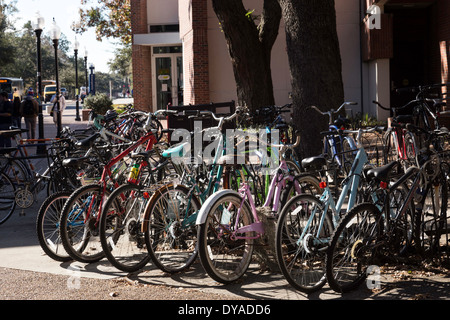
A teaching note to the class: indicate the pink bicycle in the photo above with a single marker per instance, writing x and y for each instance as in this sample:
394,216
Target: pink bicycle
228,223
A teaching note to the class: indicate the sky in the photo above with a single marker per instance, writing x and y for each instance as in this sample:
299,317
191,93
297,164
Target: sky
65,12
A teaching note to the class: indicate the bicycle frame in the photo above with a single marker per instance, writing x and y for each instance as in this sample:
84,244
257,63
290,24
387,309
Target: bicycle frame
149,138
349,189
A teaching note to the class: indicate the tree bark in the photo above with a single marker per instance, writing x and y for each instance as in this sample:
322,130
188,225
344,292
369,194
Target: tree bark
315,65
250,46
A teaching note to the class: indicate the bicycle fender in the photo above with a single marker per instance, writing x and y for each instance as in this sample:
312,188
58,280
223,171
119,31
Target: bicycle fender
207,205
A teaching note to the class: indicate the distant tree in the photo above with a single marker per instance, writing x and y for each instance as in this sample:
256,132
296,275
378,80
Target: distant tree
6,40
110,18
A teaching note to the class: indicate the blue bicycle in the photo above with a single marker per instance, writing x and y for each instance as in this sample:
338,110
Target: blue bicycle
337,147
306,223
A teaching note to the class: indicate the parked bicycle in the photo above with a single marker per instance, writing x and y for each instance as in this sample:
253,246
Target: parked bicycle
375,232
306,222
228,223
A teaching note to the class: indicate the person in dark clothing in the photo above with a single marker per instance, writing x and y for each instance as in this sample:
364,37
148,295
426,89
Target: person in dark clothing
16,116
29,109
6,109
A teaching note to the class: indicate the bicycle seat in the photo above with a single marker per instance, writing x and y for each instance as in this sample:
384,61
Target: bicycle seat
89,141
314,163
382,173
73,162
7,150
10,133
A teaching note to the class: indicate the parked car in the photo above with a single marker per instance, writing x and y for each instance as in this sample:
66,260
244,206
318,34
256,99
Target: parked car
49,92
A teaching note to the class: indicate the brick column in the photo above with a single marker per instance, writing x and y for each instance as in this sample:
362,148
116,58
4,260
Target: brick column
141,57
195,55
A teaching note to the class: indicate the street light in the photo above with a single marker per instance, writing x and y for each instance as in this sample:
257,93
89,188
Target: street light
86,69
38,24
92,80
76,45
55,33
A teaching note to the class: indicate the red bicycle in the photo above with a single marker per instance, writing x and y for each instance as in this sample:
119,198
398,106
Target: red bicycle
80,217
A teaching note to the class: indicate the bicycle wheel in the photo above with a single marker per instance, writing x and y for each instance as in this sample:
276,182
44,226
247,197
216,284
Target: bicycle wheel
120,228
170,231
17,172
352,247
79,226
302,235
224,252
7,197
433,220
390,147
47,226
308,184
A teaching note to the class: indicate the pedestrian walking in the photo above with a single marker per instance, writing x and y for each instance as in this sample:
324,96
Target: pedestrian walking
62,107
29,109
5,118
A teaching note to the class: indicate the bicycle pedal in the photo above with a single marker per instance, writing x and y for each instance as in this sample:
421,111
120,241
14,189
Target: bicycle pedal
22,214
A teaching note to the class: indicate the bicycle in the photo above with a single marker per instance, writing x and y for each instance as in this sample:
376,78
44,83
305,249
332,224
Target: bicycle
375,231
80,217
228,224
306,222
336,148
400,144
16,164
170,215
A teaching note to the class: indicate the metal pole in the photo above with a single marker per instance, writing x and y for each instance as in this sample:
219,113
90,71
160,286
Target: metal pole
58,110
77,117
40,149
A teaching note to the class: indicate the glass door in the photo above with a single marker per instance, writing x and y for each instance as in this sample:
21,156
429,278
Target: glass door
168,79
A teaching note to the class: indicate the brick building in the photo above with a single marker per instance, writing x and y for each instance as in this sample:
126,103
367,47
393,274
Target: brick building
180,55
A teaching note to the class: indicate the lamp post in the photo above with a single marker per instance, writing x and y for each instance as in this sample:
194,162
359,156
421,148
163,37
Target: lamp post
77,95
38,25
86,69
92,79
55,33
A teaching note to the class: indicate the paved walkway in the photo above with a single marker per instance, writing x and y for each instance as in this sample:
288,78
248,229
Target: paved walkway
19,249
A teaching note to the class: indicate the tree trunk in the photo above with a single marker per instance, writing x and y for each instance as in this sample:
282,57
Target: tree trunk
315,64
250,48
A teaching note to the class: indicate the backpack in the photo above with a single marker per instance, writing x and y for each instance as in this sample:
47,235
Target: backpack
28,108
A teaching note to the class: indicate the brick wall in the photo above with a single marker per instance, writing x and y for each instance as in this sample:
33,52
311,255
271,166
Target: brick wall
141,56
195,55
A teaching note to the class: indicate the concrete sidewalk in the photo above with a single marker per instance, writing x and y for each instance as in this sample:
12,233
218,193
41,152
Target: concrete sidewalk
19,249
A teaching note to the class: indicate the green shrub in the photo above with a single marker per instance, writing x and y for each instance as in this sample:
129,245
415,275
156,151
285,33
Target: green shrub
99,103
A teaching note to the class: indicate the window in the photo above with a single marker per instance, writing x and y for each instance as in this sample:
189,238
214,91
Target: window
164,28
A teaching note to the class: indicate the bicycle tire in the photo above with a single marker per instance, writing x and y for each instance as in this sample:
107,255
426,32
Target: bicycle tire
309,184
302,234
7,198
223,258
433,220
47,226
353,247
169,228
76,234
120,229
390,151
